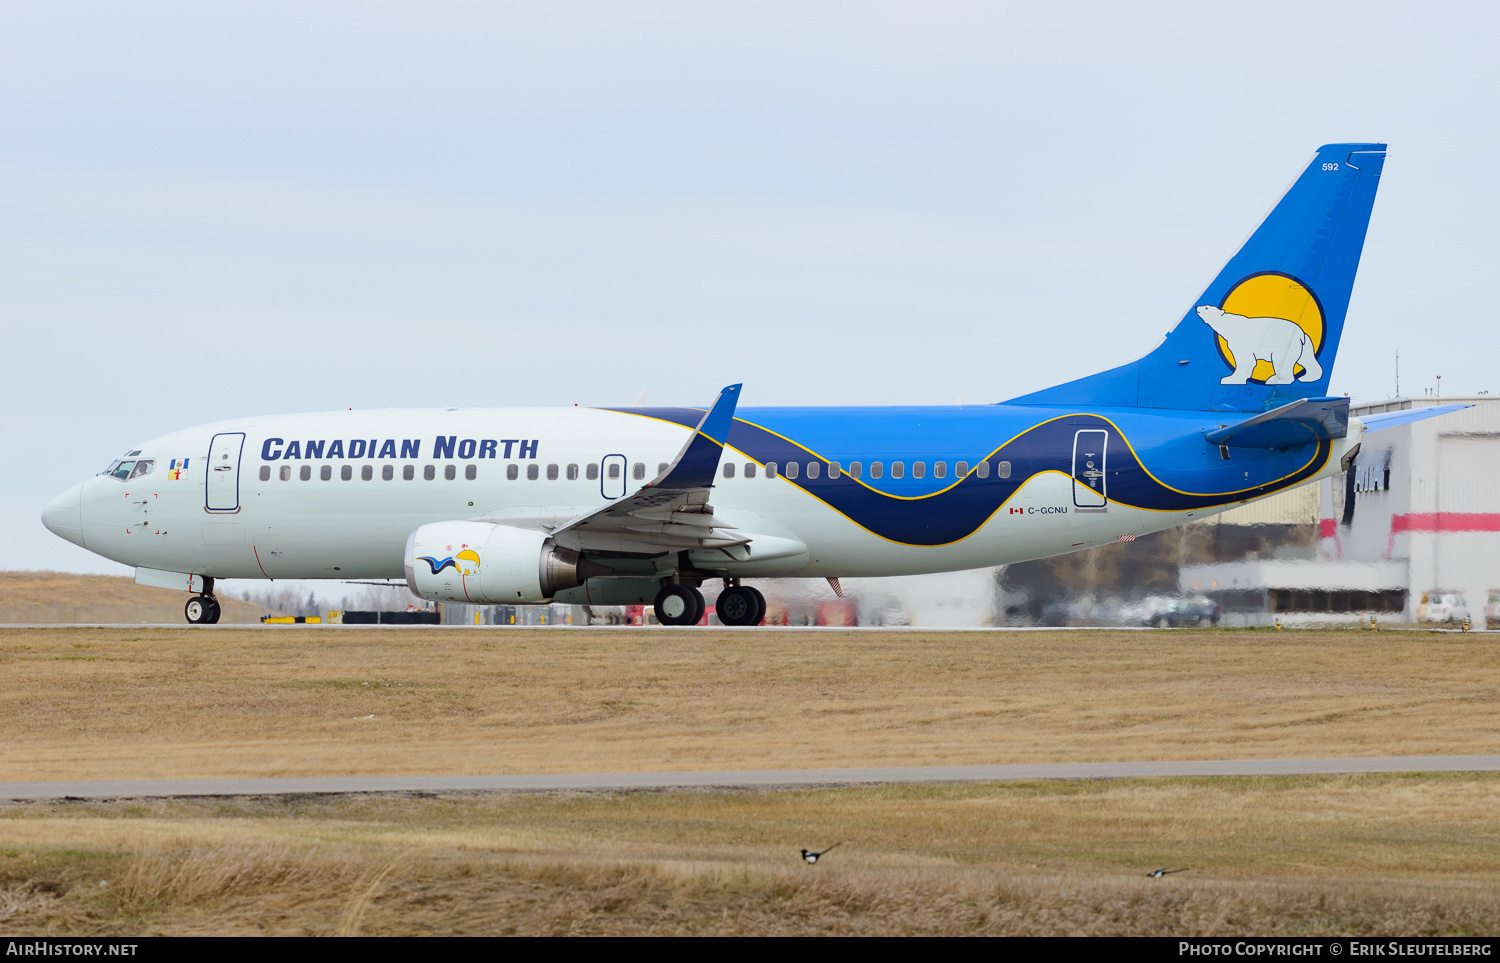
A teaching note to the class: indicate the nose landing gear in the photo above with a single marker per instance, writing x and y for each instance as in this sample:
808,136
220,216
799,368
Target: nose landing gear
202,610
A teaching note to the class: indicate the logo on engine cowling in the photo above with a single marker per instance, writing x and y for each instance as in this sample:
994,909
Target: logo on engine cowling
465,562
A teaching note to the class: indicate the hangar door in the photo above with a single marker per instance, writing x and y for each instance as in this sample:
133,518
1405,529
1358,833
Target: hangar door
1468,473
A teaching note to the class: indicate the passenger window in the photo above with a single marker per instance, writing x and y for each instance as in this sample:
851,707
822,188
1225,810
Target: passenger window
366,472
286,472
639,472
552,473
265,472
325,473
512,472
142,467
898,469
854,469
982,469
961,469
593,472
471,472
940,469
346,473
791,469
876,469
919,469
749,469
614,470
450,472
387,472
1002,468
770,469
408,472
429,472
833,469
729,469
306,473
572,473
662,467
814,469
533,472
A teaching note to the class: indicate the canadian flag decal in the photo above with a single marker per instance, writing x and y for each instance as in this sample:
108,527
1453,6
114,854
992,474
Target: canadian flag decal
1017,511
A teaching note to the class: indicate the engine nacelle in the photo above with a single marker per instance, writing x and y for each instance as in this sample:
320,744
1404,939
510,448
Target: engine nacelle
484,564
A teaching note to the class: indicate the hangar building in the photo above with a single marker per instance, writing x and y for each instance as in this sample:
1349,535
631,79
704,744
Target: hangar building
1411,533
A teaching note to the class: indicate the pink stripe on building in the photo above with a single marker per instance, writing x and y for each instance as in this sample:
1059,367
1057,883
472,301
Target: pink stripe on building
1446,522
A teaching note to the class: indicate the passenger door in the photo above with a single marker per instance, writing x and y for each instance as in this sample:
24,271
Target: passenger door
1089,480
222,477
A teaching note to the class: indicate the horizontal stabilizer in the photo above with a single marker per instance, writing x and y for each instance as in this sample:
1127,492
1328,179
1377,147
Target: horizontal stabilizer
1390,419
1302,421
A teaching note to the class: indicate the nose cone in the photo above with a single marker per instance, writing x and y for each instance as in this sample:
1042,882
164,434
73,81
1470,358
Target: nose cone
63,516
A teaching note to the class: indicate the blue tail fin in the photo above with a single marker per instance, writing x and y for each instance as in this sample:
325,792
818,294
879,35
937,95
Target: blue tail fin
1266,331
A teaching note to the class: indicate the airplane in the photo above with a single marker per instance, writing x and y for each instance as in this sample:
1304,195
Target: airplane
637,505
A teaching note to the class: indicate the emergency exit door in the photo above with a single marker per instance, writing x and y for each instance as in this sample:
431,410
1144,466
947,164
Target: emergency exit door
222,484
1089,479
612,476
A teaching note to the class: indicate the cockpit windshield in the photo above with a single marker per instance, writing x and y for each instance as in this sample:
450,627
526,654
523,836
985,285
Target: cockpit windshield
127,468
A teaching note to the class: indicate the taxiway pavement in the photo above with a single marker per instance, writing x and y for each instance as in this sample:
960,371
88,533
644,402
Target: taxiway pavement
732,779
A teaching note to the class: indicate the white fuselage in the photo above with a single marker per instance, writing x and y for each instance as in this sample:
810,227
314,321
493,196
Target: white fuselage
266,510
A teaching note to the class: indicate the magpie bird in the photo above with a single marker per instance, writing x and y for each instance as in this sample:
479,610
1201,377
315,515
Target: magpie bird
810,857
1159,873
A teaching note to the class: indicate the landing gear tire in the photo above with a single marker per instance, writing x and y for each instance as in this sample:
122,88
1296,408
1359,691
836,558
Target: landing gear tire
760,605
202,610
740,605
679,605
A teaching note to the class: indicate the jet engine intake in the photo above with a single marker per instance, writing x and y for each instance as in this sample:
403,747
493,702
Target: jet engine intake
480,563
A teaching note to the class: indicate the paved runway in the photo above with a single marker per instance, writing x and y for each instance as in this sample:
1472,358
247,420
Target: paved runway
745,779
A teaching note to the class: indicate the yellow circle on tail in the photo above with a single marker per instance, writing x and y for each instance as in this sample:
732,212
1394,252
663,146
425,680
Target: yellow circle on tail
1274,296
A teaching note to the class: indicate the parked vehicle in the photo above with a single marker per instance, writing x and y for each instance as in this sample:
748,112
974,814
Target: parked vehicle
1176,612
1440,606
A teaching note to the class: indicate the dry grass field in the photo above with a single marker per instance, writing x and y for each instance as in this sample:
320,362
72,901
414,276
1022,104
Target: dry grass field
69,597
1351,854
99,703
1369,855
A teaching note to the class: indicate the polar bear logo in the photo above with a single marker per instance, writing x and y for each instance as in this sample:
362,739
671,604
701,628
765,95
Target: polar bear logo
1280,343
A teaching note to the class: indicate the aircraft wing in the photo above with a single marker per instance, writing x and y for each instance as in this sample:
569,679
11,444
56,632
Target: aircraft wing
671,512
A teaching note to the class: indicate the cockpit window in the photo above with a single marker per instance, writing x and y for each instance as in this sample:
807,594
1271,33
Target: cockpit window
126,468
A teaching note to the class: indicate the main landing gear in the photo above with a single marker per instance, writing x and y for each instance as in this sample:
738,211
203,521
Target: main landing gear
202,610
684,605
679,605
741,605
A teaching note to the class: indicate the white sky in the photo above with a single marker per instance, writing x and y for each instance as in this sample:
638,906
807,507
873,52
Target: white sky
213,210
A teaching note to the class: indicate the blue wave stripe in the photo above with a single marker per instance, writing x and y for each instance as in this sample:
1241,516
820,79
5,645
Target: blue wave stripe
959,510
